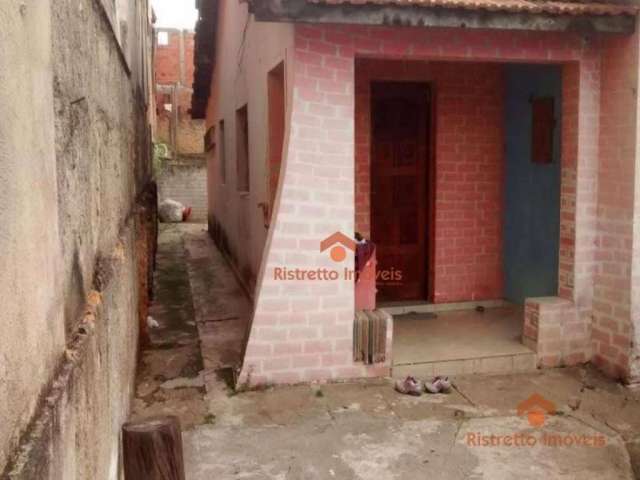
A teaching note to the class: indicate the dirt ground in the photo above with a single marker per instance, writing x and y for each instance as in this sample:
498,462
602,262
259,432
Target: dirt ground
361,430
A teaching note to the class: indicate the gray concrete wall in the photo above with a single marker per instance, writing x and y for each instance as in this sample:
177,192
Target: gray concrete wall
33,338
185,181
74,154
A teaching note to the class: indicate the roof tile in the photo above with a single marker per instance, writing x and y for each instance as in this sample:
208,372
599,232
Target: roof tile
551,7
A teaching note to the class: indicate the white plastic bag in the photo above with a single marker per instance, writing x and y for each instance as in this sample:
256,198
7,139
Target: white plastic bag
171,211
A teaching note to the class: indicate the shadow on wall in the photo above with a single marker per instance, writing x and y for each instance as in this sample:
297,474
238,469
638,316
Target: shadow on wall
245,275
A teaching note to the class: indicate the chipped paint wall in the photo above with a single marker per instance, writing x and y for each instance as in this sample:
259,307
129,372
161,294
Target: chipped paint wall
74,156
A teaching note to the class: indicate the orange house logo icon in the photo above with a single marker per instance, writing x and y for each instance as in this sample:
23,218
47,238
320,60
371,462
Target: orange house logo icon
338,243
536,408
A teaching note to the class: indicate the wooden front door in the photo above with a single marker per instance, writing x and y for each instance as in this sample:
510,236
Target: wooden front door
399,188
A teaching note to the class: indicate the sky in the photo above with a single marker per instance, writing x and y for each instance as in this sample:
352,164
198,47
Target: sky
175,13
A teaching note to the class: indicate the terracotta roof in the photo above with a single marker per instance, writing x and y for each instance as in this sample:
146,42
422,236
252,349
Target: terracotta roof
551,7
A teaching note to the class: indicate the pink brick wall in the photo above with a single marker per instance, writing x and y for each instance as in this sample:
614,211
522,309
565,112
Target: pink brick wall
468,171
302,331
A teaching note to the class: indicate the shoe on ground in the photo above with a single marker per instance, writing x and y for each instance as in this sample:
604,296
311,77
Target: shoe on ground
409,386
438,385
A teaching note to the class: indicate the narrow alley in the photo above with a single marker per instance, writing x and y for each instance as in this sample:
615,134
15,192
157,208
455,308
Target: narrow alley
170,374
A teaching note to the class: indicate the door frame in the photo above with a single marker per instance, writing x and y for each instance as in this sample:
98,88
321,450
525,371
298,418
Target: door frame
430,181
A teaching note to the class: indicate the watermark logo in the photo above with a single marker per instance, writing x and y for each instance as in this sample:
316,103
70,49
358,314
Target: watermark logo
536,408
338,243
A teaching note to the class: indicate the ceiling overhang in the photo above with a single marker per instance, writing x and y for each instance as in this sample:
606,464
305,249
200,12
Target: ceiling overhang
419,15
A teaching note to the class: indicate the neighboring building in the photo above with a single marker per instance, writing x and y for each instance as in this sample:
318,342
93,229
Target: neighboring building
489,149
174,79
182,173
77,232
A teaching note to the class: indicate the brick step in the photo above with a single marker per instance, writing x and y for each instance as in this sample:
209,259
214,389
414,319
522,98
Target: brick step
499,364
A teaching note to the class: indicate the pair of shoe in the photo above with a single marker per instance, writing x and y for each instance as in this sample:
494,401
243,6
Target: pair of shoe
412,386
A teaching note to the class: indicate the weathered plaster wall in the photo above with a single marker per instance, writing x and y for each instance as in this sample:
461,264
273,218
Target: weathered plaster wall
75,156
185,181
33,335
243,59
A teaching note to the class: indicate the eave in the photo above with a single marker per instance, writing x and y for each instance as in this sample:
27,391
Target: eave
421,16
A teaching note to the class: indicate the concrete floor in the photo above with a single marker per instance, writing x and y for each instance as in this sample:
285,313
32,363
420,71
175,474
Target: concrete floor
460,342
169,380
366,430
457,335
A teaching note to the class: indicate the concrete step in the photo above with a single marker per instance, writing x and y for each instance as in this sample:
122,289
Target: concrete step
499,364
403,308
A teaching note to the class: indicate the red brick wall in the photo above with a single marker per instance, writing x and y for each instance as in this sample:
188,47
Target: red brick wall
167,62
189,47
181,132
613,321
468,170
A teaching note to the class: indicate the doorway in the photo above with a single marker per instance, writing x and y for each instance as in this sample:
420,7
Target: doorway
533,106
400,193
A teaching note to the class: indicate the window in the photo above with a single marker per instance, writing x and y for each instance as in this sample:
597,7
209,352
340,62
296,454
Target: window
543,124
163,39
275,86
242,149
222,153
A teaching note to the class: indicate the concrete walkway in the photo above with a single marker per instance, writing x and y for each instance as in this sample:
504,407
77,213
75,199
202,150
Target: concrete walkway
169,379
365,430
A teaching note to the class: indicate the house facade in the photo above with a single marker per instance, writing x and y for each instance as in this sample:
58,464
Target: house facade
488,149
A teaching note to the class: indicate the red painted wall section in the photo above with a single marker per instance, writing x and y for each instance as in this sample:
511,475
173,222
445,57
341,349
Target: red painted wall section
469,166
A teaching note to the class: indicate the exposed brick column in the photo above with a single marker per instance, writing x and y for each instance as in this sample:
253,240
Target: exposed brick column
616,287
302,330
559,328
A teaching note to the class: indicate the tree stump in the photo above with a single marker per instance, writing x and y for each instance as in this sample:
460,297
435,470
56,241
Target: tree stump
153,449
